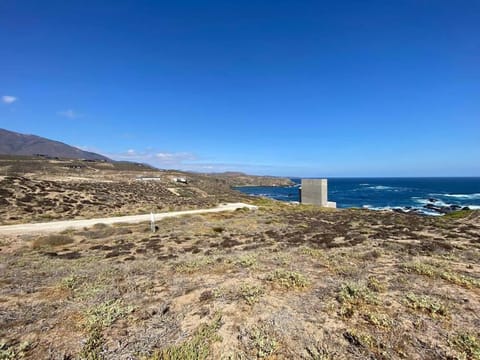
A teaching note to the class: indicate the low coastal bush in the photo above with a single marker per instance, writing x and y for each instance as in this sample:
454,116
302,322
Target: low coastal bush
218,229
426,304
251,293
194,265
247,260
376,284
460,214
355,294
288,279
51,241
107,313
198,347
92,348
420,268
379,320
467,344
264,344
13,352
365,340
353,298
439,273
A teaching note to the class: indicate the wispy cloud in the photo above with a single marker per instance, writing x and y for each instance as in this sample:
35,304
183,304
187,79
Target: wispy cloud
71,114
156,158
174,158
189,161
8,99
217,167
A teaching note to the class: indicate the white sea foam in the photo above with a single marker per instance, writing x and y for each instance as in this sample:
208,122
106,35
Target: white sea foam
387,208
380,187
427,201
420,200
464,196
431,213
419,209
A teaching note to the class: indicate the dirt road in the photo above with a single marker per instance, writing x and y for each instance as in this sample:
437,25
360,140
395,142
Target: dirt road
56,226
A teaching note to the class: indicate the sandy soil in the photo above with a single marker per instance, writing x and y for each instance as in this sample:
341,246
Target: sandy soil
282,282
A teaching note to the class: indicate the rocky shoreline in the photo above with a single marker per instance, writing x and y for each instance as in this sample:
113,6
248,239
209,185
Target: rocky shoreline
435,206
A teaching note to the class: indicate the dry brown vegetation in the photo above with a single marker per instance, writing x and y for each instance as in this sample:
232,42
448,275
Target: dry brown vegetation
284,282
35,189
26,199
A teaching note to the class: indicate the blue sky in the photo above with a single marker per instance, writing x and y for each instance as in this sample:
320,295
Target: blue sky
296,88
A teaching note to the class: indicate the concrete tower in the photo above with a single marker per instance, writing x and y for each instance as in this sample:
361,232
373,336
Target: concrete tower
315,192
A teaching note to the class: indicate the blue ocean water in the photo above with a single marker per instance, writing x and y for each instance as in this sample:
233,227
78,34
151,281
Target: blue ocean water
388,193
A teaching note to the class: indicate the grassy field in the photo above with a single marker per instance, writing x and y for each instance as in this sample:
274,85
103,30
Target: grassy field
284,282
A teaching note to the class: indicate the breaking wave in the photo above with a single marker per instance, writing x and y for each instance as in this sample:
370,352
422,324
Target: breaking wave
464,196
381,187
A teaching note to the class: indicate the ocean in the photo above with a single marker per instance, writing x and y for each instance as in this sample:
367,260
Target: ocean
429,196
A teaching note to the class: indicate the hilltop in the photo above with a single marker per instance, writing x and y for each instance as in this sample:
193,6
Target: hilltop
14,143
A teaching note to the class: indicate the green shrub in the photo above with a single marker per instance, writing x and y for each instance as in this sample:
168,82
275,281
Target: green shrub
355,294
459,214
13,352
265,345
353,297
196,348
468,345
194,265
288,279
247,260
439,273
92,349
375,284
107,313
251,293
426,304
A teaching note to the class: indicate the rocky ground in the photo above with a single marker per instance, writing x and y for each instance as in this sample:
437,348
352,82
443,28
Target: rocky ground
37,189
284,282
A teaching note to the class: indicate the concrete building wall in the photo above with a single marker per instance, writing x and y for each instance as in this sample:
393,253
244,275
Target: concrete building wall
314,191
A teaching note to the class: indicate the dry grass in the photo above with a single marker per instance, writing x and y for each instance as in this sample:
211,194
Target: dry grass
289,282
93,193
198,347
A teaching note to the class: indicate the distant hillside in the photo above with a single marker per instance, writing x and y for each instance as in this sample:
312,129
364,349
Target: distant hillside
235,178
13,143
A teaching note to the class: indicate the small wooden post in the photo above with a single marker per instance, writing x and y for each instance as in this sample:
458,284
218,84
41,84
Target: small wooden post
152,222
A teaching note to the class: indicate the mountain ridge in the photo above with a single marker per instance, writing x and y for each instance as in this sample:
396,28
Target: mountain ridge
14,143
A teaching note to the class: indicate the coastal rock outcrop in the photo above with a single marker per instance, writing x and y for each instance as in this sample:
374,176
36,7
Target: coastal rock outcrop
443,209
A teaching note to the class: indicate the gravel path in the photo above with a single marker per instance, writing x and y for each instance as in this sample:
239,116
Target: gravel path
56,226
